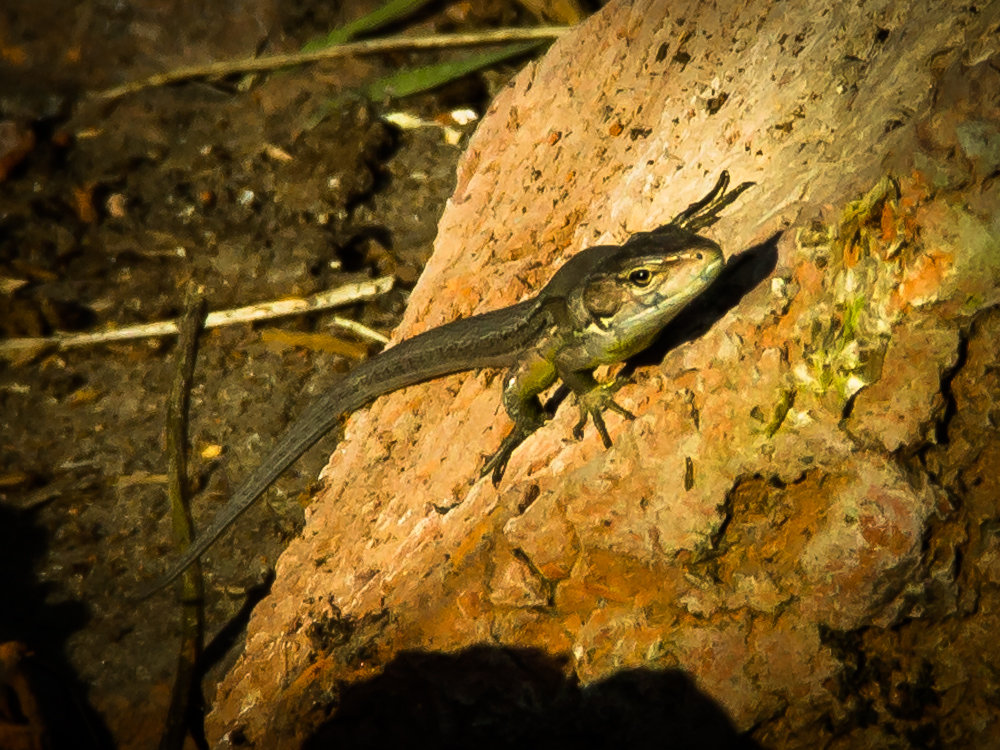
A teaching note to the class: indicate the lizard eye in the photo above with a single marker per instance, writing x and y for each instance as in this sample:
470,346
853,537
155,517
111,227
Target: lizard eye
640,277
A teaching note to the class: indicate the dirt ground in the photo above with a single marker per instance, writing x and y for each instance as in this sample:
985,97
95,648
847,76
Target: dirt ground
108,212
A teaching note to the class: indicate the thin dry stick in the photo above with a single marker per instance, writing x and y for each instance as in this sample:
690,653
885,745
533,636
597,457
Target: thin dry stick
342,295
368,47
192,611
359,329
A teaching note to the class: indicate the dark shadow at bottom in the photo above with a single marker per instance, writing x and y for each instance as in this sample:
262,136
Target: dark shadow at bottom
520,698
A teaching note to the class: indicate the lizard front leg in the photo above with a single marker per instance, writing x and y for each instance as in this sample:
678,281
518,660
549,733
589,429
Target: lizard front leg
593,399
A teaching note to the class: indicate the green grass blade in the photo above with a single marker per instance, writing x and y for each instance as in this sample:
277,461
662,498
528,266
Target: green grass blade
392,11
415,80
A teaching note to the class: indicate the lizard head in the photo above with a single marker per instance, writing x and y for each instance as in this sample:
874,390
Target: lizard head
652,273
616,298
619,297
634,290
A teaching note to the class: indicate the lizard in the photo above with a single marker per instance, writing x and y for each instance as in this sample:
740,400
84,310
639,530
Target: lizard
604,305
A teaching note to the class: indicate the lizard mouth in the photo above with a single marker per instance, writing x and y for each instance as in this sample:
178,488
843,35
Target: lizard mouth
711,270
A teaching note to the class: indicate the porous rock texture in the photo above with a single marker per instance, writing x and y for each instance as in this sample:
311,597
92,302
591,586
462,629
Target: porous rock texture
797,537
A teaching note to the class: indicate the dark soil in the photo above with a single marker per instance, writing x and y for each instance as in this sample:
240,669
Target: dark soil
109,211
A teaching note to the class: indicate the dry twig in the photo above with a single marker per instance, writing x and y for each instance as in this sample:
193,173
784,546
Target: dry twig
193,611
367,47
342,295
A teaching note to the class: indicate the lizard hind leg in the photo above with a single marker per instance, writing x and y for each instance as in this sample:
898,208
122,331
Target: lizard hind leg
528,416
522,384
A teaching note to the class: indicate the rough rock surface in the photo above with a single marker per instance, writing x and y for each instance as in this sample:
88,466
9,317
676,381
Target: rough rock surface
801,522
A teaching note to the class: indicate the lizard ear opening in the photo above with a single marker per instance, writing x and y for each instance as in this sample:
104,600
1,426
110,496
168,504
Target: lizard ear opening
602,298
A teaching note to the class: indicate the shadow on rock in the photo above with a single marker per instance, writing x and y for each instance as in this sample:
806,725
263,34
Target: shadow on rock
488,697
741,275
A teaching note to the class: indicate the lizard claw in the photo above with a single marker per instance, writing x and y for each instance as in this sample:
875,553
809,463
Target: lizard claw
593,403
497,463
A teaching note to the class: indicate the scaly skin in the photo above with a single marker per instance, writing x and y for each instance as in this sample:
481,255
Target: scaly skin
604,305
